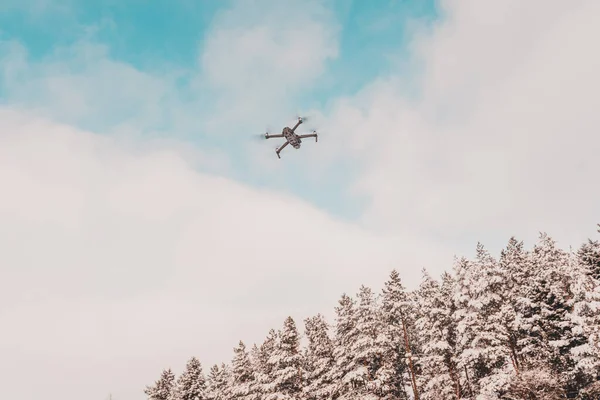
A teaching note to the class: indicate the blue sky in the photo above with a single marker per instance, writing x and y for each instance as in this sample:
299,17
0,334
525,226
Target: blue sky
161,38
153,34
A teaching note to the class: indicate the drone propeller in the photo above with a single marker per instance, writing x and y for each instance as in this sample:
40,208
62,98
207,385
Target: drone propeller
302,118
260,136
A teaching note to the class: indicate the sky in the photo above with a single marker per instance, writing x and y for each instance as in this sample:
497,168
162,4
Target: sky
144,220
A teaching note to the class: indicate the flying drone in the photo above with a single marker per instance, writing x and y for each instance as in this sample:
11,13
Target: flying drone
291,136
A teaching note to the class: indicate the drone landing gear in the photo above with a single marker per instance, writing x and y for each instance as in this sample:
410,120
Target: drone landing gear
314,134
281,148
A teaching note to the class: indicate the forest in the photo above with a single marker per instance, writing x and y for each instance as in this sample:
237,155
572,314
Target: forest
524,325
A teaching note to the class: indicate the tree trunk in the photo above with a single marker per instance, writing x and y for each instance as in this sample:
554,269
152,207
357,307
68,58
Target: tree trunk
410,364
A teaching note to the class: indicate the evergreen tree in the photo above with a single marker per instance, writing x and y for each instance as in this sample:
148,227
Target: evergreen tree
286,362
191,384
345,336
516,270
244,384
586,316
255,358
163,387
264,366
491,334
217,387
589,256
553,299
586,319
398,313
535,384
466,319
319,360
440,376
367,348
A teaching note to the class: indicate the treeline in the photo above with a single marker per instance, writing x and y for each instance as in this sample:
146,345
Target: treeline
523,326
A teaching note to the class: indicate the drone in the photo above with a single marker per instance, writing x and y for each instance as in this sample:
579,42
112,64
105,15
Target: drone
291,137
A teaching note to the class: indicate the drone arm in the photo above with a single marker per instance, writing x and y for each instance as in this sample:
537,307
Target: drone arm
297,125
281,148
315,135
267,136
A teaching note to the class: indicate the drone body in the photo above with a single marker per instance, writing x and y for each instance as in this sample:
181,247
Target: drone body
291,137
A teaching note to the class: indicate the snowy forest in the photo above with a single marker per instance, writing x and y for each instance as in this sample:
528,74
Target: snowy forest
524,325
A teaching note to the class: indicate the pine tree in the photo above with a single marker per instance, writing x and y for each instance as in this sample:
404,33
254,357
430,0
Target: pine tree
491,339
516,270
191,384
286,361
218,387
535,384
365,349
319,360
368,348
398,320
244,384
255,357
344,338
440,378
589,256
162,388
585,316
466,319
264,366
553,301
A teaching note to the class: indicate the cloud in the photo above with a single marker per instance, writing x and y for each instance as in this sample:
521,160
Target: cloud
121,256
502,135
258,56
73,83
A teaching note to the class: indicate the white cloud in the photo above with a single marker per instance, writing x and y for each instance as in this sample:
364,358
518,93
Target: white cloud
502,139
117,257
259,55
75,82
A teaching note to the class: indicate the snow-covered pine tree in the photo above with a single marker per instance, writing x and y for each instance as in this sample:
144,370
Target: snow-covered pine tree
552,301
191,384
516,270
345,336
367,348
535,384
589,256
243,383
485,316
287,364
398,313
217,385
450,331
466,319
586,318
491,334
163,387
255,357
439,377
263,367
318,359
